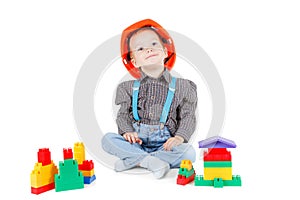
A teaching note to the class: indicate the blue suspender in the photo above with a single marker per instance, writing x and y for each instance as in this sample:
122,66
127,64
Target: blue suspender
167,106
135,95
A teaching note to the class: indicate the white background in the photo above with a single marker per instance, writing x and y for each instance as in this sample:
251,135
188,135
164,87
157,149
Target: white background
255,46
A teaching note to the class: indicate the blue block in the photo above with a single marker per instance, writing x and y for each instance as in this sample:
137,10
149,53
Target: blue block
89,179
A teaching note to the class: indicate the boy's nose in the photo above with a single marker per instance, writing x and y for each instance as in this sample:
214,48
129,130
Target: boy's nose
149,49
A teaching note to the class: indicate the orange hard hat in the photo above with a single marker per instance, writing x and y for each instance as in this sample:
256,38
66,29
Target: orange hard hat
162,33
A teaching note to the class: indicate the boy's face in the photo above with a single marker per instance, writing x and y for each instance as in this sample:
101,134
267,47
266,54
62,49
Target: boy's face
146,49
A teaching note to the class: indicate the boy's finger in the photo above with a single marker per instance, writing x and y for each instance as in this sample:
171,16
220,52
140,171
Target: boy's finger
138,140
133,138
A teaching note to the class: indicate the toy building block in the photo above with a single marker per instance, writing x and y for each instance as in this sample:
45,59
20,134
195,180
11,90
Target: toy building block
86,165
225,173
217,164
42,189
43,175
79,152
186,173
89,179
199,181
216,142
235,181
87,173
44,156
68,153
69,177
217,182
218,154
182,180
186,164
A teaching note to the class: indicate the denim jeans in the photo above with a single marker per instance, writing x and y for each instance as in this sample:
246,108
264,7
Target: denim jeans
153,139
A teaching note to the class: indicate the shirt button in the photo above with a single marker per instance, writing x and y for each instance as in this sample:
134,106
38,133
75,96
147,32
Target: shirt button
152,97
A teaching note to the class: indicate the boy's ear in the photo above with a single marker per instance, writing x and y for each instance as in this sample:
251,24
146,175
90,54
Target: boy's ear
166,52
133,61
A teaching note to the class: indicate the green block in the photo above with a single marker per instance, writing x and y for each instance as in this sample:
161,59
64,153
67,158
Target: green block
186,173
69,177
208,164
199,181
68,168
236,181
68,184
218,182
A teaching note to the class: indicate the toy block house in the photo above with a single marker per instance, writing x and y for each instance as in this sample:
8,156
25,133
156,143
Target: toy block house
42,176
217,163
186,173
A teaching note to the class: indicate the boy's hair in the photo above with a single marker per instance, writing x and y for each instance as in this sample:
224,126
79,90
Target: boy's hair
164,36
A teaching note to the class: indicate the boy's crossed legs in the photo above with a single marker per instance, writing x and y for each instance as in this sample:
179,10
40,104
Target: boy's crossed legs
133,155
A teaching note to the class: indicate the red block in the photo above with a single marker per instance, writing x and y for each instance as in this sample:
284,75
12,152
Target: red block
42,189
86,165
217,154
68,153
44,156
182,180
217,150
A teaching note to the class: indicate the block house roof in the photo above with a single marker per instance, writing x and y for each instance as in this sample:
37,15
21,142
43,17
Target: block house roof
216,142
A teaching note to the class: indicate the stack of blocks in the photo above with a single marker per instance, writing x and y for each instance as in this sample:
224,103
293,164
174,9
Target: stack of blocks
186,173
72,173
42,176
217,164
86,167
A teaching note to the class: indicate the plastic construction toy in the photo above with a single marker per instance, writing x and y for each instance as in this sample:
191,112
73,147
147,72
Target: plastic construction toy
86,167
217,164
186,173
79,152
42,176
69,177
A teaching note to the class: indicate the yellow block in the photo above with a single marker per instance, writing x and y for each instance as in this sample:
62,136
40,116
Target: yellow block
43,175
79,152
187,164
219,172
88,173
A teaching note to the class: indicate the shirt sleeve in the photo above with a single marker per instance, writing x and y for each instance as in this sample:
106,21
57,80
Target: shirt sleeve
123,98
186,112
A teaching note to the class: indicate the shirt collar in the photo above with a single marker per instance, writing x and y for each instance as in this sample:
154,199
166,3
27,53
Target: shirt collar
165,75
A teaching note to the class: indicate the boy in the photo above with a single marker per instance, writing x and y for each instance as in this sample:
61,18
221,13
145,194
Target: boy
157,111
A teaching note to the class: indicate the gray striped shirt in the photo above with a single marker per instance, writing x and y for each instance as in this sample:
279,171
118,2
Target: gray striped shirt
152,96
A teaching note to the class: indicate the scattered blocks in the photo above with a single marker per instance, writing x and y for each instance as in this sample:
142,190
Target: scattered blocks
72,173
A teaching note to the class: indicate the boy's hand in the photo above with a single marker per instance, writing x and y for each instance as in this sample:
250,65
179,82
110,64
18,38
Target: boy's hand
173,141
132,137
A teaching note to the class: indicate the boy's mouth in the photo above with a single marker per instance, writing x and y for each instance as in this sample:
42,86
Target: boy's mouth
152,55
